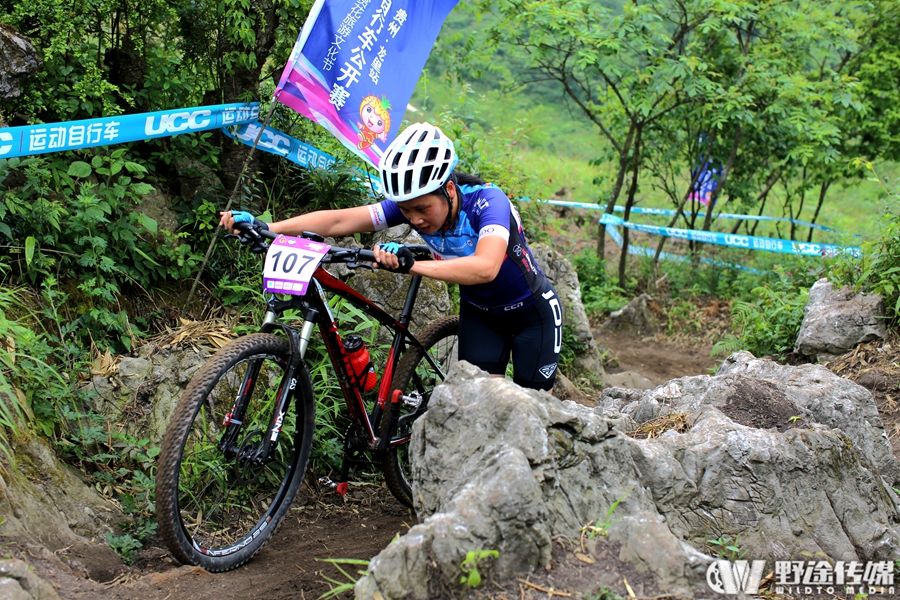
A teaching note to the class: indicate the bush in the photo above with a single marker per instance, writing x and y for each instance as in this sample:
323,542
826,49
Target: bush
877,269
599,295
769,325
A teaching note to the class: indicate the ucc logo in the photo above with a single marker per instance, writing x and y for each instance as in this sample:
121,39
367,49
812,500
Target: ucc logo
737,240
179,121
5,137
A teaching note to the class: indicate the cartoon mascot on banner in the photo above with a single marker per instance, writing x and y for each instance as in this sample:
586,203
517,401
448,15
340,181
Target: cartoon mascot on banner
376,121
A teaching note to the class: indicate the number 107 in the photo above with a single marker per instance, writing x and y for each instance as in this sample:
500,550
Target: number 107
291,261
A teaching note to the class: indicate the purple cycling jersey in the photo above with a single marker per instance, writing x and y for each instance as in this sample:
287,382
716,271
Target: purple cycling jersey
485,210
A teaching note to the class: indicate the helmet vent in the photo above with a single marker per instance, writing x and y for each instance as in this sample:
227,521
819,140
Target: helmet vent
426,175
407,182
395,184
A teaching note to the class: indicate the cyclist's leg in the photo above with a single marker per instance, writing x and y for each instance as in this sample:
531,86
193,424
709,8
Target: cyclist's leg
536,345
480,341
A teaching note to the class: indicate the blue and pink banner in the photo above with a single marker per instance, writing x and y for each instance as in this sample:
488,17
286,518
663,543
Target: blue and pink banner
355,66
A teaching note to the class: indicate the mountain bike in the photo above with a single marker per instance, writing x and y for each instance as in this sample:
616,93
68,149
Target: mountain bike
237,446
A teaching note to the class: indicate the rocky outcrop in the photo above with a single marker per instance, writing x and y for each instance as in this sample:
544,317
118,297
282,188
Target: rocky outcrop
142,393
18,62
836,321
764,394
588,354
499,467
18,582
634,317
45,504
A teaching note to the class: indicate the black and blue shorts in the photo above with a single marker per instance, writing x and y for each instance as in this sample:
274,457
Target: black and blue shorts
531,332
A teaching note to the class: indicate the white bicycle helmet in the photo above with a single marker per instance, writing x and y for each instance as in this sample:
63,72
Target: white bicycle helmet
418,161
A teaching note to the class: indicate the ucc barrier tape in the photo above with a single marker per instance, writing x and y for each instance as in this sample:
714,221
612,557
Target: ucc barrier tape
671,213
748,242
90,133
281,144
613,232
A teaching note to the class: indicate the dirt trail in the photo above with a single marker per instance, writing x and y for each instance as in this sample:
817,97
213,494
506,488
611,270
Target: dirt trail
658,361
286,568
326,526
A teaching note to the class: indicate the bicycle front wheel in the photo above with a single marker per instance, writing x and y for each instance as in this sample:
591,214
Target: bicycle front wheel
417,378
218,499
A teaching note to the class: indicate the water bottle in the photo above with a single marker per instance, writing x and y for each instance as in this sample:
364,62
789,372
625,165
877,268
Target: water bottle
360,364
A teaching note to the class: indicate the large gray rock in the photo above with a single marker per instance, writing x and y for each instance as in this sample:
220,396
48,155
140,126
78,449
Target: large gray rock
18,62
762,393
634,317
499,467
143,393
198,182
18,582
158,206
588,354
836,321
46,505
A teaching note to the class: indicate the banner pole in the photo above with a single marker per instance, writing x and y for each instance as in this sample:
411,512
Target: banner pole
234,193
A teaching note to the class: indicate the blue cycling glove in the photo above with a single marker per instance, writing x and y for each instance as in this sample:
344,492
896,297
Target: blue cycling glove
241,216
404,255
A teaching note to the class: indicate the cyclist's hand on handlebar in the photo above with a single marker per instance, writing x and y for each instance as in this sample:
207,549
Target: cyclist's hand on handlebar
229,218
393,257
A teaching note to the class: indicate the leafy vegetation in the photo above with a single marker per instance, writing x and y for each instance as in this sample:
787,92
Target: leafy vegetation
724,547
877,270
340,587
610,102
769,325
471,576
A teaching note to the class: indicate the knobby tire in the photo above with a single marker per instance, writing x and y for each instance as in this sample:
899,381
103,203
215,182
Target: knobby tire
217,510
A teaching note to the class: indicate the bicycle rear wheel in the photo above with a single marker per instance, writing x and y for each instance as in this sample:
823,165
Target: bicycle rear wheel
416,377
217,501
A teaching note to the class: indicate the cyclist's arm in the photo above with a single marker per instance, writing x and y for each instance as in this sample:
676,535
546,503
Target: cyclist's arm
480,267
327,223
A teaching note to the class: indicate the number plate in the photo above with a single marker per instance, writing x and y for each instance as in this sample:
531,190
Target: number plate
290,264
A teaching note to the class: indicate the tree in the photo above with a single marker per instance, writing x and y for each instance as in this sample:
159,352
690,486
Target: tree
757,78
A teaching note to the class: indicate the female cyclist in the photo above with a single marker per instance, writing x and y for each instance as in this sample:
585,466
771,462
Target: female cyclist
476,235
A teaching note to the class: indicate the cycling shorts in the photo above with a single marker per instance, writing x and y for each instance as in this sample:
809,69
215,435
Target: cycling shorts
531,334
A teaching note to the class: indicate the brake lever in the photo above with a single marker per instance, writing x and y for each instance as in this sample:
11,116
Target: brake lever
250,237
356,265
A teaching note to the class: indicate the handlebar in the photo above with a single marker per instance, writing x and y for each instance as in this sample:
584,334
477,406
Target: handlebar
255,237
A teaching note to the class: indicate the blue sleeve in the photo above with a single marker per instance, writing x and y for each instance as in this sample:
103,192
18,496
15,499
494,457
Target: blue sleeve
491,208
392,213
